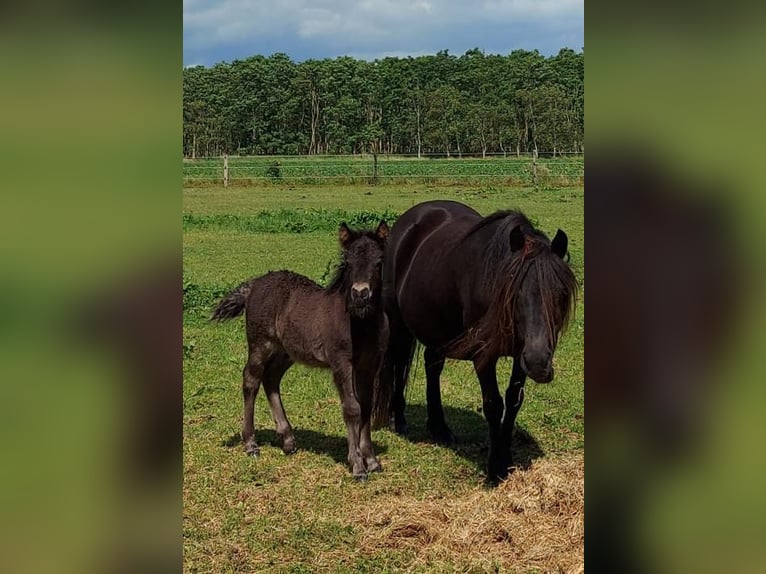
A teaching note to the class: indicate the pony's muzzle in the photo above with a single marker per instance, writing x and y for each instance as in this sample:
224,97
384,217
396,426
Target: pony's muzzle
361,291
538,366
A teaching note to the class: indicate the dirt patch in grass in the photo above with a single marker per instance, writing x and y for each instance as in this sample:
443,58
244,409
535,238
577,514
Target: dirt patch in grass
532,521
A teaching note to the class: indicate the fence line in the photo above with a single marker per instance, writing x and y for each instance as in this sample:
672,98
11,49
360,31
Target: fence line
333,164
374,168
392,156
365,176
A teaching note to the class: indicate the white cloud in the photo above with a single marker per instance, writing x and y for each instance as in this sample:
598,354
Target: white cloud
370,26
532,9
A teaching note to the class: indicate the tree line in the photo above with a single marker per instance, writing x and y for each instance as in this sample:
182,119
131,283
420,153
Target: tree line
476,103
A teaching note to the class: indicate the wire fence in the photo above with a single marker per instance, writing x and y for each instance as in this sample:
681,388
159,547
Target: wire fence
561,170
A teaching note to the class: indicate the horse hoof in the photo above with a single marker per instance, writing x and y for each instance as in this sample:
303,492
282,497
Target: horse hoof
375,467
497,474
443,437
253,451
289,449
398,426
360,477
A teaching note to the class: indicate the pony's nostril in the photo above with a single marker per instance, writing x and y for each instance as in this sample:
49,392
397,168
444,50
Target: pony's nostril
538,362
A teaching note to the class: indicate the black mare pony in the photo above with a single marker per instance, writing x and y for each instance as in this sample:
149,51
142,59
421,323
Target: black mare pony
291,319
474,288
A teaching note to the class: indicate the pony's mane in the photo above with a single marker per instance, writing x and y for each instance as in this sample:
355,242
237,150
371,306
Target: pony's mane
498,249
503,271
339,281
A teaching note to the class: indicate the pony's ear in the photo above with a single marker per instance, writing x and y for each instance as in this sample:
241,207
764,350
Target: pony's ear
559,244
517,238
382,230
344,234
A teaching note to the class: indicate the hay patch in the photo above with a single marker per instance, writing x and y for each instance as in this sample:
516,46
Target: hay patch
532,521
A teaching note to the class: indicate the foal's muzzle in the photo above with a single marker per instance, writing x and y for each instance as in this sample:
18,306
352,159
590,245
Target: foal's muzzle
361,299
361,291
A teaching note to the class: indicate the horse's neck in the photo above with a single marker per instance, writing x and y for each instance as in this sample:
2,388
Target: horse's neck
470,265
471,248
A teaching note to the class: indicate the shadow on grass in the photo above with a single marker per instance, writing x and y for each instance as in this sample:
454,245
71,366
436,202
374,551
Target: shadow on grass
334,446
469,427
472,433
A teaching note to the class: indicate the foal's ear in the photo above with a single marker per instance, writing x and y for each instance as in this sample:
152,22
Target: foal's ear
344,234
559,244
382,230
517,238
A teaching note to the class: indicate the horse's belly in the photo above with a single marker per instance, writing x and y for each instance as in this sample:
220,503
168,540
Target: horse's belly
300,344
430,320
309,360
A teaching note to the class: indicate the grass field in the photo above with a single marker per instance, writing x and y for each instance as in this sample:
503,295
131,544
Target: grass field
430,509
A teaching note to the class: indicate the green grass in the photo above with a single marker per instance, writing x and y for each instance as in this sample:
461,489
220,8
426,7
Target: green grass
290,220
298,513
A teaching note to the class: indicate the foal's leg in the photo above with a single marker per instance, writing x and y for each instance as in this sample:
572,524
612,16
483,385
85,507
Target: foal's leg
498,463
352,415
275,370
514,396
365,379
252,375
440,432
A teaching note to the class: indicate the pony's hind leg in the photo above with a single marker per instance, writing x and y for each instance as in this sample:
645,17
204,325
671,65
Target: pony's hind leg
437,426
395,371
252,375
275,370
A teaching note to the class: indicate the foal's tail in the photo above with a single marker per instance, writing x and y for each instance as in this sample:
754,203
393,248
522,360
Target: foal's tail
233,304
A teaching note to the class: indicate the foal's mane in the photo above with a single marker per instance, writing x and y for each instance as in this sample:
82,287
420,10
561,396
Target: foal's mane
503,272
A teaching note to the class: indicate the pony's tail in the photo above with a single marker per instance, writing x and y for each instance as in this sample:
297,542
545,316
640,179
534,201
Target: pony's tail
233,304
397,362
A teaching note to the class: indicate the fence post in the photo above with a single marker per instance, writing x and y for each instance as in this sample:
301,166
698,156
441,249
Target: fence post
534,167
374,168
225,170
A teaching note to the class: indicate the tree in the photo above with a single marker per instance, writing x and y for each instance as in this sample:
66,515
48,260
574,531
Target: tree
475,103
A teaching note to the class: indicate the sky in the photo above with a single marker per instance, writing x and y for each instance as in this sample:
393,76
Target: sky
226,30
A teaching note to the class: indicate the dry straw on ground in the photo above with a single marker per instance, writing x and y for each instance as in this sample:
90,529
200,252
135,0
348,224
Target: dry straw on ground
531,522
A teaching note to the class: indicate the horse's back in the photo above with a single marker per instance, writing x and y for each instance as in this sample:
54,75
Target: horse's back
436,221
290,313
272,290
430,215
420,279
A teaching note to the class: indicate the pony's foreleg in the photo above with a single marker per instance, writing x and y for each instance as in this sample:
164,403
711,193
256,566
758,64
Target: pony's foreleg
352,416
437,426
364,382
252,375
499,461
514,396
